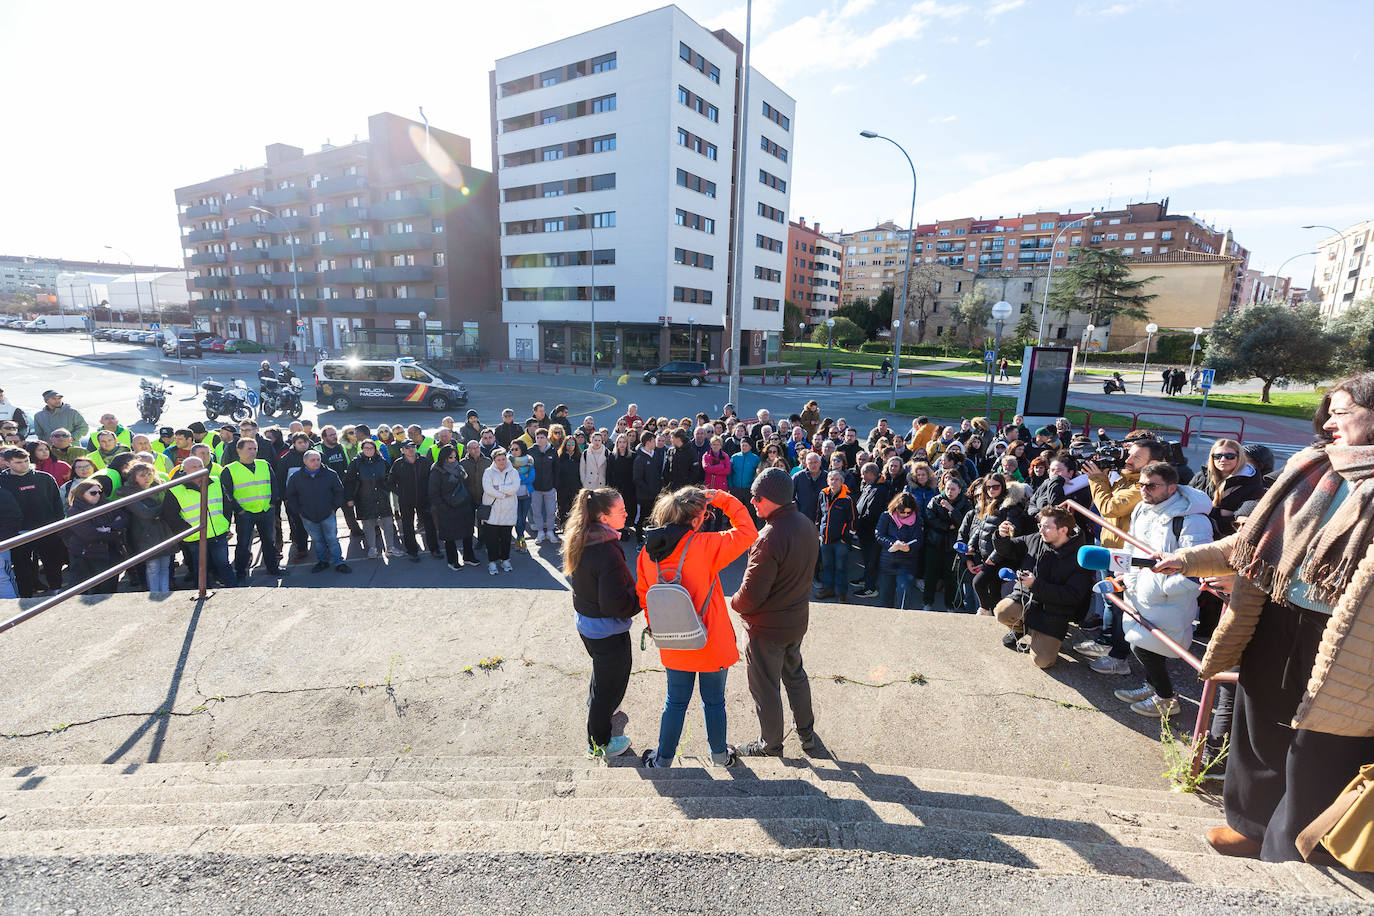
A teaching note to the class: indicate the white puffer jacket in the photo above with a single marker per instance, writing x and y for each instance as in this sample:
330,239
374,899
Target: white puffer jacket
1167,601
498,491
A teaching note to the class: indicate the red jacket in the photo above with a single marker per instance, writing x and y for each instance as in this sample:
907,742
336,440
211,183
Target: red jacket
711,551
717,469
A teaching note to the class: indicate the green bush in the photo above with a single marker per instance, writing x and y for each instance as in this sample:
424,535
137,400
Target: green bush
1173,348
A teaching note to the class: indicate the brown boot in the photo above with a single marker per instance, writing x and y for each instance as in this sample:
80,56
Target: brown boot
1229,842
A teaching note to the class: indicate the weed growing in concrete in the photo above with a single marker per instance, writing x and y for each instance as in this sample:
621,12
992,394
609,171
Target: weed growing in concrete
468,670
490,664
1179,750
198,709
918,678
60,727
391,670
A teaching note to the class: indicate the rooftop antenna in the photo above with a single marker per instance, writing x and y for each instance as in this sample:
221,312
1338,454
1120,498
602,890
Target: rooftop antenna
426,120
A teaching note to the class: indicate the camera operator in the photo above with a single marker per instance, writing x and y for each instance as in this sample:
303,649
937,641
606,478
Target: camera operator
1051,588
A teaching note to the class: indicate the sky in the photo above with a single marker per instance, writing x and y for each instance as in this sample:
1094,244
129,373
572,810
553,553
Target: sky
1250,115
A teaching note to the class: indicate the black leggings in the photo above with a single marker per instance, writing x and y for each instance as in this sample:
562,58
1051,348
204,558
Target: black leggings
611,661
497,539
988,587
1156,672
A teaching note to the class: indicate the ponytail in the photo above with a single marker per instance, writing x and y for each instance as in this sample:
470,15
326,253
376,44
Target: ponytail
586,511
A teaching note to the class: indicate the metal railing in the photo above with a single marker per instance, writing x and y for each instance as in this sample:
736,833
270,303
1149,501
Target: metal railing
1209,686
202,476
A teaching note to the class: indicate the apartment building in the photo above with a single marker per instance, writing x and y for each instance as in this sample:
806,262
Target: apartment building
615,156
377,240
31,274
1342,274
813,271
1257,286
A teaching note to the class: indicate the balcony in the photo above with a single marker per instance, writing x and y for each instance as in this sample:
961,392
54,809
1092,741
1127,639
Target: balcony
248,230
252,305
210,282
304,306
284,277
208,257
245,255
345,246
346,275
199,210
284,196
204,235
405,306
283,252
410,274
349,306
344,216
253,280
291,223
235,204
407,206
341,185
402,241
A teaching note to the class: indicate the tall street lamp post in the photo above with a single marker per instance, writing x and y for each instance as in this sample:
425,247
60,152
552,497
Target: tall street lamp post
1149,335
295,280
1192,356
829,339
1087,344
1278,274
591,232
900,306
1049,275
138,300
424,337
1001,311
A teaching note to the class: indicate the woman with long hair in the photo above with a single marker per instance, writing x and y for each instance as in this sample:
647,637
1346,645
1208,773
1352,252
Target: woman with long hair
365,487
44,461
147,527
620,474
500,483
96,543
604,603
82,468
772,458
899,534
678,545
1231,480
921,482
996,501
1300,627
452,507
523,463
567,476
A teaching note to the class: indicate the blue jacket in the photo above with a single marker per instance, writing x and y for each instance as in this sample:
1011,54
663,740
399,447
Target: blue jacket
744,467
314,496
889,532
808,492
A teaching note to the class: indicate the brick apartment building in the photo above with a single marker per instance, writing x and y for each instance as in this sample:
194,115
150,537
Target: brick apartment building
813,271
381,235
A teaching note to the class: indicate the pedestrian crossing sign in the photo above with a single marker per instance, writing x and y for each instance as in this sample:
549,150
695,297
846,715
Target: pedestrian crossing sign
989,356
1207,376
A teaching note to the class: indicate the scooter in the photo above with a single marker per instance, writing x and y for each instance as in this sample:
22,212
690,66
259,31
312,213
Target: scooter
232,401
152,396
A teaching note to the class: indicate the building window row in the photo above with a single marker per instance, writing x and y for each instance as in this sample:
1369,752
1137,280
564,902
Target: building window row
698,104
696,221
766,305
769,244
567,223
558,113
694,296
559,293
599,64
603,144
696,144
559,188
694,259
699,63
767,273
561,258
768,146
777,117
772,213
696,183
773,181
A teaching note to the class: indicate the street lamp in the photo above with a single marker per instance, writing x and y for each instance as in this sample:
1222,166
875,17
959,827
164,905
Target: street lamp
295,279
1149,335
1001,311
137,299
591,232
691,339
1049,275
1197,332
1340,265
424,337
1087,343
900,306
829,339
1278,274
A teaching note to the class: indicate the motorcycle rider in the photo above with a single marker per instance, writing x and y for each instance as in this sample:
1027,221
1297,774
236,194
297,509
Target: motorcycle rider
266,377
285,375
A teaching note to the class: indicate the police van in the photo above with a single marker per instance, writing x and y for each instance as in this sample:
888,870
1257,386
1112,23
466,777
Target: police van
403,382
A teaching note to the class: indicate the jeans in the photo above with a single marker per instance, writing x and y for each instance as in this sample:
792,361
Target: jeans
217,552
9,588
611,661
378,542
773,666
675,711
245,524
1113,630
522,514
159,574
835,567
325,534
897,589
544,509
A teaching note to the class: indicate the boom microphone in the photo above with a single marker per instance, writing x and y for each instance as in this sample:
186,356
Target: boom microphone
1101,559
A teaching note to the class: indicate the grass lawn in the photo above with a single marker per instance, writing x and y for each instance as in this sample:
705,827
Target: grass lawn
1300,405
952,408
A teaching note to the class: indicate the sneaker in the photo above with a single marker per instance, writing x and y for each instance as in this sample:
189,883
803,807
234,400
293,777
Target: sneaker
1092,648
372,553
521,546
506,567
1091,622
1153,707
1143,692
321,566
454,566
858,582
343,568
756,749
491,569
539,538
1108,665
618,745
649,759
1011,641
553,538
825,593
396,552
866,593
726,758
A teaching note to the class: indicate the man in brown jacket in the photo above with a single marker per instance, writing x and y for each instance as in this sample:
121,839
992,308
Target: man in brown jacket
774,603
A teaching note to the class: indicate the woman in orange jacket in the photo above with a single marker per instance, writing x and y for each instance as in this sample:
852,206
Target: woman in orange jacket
677,515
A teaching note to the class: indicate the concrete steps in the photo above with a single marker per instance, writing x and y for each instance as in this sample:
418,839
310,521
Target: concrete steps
438,805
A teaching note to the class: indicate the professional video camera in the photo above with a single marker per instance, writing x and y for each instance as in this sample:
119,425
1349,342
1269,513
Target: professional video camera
1106,454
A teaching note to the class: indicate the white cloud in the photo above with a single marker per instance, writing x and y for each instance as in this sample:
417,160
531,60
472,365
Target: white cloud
1106,8
1004,6
918,79
809,44
982,42
945,120
1073,180
733,20
842,87
1338,215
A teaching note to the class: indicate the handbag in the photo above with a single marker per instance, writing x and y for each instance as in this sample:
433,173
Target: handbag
1346,828
483,513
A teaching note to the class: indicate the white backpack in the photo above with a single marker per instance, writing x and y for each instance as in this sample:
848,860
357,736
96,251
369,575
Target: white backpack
674,622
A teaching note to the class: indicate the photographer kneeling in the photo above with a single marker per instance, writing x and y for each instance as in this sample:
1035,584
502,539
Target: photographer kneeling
1051,588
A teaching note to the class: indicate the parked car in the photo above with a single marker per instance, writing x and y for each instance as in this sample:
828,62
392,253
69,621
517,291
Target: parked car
243,346
688,372
213,344
186,345
403,382
100,334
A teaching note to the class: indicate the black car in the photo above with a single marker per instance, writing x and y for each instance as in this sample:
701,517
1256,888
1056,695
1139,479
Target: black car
691,373
187,345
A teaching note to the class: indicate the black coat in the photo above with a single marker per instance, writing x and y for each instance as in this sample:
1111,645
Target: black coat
544,464
365,484
1062,588
602,584
648,474
568,475
680,467
38,497
620,473
99,538
979,532
942,525
871,504
451,503
410,482
1235,490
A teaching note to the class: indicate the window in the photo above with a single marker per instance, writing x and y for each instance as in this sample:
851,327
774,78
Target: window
551,153
696,183
437,226
1130,236
698,104
1147,250
767,273
769,244
603,63
440,258
554,225
766,305
696,144
773,181
699,63
1165,236
777,117
1147,235
1049,225
551,78
1128,251
694,259
688,294
603,220
695,221
1111,236
768,146
772,213
603,104
603,144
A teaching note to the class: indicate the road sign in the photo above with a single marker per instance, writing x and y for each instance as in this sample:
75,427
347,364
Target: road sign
989,356
300,324
1207,376
155,326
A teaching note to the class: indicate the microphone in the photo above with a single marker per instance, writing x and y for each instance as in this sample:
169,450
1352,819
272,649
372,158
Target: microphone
1007,575
960,547
1101,559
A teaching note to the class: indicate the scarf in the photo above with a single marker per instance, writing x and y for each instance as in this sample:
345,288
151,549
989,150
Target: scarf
600,533
1285,538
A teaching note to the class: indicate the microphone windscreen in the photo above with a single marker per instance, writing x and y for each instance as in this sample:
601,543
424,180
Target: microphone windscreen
960,547
1095,558
1008,575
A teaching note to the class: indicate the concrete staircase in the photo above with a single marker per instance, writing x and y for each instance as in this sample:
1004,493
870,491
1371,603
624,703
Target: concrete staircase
572,806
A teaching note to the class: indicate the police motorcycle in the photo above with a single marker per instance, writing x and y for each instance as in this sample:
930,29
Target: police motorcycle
235,401
152,397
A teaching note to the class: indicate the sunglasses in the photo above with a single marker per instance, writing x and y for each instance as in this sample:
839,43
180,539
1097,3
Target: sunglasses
1229,456
61,435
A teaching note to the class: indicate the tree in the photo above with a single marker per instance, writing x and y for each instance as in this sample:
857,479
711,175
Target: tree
971,315
1099,283
847,333
1027,331
920,297
1354,329
791,317
1272,342
870,315
949,339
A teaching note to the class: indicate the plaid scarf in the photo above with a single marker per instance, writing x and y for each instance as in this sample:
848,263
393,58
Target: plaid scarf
1285,538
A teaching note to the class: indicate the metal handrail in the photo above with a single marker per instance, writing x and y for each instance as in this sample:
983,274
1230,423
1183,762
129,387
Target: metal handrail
201,528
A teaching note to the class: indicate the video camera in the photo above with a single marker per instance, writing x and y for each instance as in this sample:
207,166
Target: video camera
1106,454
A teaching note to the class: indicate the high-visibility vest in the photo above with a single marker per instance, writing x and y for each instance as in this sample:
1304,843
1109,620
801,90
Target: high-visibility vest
434,452
188,497
163,464
252,486
122,436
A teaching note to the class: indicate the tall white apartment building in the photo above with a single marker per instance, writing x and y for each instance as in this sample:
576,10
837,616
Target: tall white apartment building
1342,272
614,155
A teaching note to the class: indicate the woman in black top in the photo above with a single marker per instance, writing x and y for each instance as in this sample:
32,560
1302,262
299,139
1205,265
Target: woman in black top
620,473
567,477
451,503
681,464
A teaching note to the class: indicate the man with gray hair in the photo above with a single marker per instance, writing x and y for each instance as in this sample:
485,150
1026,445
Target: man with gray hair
315,493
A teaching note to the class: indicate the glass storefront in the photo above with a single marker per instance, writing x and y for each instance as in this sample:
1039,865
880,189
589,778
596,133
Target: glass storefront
640,350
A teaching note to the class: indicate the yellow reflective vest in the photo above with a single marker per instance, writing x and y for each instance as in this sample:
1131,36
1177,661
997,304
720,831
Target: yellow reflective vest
188,498
252,486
